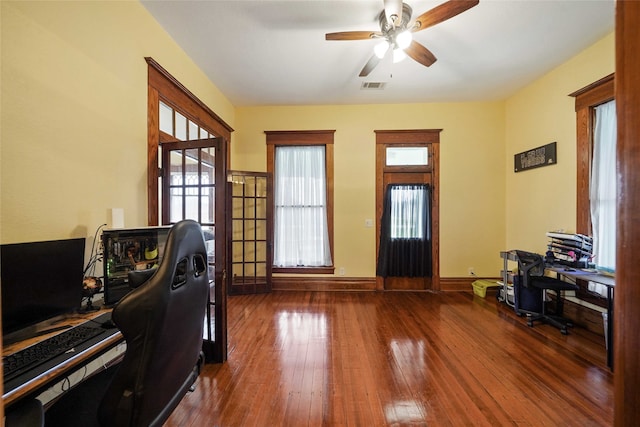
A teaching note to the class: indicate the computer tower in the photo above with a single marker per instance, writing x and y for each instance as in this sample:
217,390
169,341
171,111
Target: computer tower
128,249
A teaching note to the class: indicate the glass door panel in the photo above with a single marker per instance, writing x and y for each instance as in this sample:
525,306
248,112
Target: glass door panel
250,223
188,176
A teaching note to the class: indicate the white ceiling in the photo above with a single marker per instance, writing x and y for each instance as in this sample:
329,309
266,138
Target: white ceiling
275,52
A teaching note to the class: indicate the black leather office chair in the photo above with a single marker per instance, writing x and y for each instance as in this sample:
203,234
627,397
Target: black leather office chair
162,322
531,276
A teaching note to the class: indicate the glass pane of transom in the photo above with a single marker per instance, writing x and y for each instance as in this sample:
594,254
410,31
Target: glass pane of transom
407,156
166,118
193,131
181,127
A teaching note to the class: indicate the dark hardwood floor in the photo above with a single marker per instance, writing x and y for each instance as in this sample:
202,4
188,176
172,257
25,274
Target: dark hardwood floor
397,358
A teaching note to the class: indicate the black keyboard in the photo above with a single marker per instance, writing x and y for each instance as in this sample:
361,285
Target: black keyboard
24,360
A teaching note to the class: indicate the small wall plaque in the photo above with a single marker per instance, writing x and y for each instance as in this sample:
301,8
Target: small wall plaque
536,158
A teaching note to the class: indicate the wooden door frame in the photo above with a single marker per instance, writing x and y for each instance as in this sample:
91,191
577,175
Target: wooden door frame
162,86
411,138
626,330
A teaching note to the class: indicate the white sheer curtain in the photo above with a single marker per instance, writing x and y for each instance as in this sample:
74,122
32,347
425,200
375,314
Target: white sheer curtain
301,234
408,206
603,190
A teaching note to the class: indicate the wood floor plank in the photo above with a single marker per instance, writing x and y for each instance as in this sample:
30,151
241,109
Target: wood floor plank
397,358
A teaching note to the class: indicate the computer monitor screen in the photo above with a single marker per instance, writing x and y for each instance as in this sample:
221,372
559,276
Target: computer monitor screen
40,281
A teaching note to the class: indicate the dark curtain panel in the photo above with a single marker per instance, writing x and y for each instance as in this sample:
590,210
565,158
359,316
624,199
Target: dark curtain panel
405,235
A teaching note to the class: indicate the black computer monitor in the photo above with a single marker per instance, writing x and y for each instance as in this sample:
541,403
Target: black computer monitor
40,281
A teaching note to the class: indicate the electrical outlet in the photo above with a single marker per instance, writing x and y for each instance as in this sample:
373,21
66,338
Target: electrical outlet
341,271
472,272
368,223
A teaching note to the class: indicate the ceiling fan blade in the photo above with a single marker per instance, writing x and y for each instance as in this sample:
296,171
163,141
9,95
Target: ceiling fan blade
420,54
369,66
442,13
353,35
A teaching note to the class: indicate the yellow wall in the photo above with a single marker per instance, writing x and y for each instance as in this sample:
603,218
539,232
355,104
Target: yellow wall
471,174
74,114
73,139
544,199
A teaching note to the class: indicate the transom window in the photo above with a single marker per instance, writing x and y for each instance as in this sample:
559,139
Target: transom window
175,124
407,156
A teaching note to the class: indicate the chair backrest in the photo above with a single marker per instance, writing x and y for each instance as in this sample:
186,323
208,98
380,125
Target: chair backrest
162,323
530,265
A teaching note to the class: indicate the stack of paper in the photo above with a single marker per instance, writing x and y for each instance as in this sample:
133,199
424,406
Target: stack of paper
575,250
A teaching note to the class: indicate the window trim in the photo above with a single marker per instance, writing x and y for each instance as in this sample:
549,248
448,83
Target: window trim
586,99
307,137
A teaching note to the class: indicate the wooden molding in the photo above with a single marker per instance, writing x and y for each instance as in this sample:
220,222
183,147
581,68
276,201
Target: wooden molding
447,284
323,284
627,297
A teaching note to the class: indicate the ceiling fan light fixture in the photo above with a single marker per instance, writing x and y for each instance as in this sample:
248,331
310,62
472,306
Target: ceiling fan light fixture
398,55
381,49
404,39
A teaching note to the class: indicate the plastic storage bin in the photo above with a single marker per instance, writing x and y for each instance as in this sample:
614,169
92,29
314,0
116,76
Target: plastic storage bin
480,287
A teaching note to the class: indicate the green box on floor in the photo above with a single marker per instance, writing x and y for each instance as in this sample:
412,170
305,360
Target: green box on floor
480,287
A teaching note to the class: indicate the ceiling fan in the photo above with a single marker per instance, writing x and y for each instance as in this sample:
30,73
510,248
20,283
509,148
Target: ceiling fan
396,31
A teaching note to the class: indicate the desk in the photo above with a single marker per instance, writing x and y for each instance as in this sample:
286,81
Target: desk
19,388
610,283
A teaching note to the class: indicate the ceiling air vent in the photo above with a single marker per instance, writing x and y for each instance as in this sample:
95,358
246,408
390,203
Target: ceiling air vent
373,85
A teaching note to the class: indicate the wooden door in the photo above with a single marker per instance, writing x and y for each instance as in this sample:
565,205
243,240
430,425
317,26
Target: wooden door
190,173
407,283
418,165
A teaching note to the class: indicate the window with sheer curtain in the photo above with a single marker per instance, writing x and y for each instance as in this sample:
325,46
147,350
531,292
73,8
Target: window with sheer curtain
602,189
408,211
301,235
405,234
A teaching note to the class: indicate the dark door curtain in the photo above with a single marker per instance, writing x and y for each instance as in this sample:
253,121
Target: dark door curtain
405,235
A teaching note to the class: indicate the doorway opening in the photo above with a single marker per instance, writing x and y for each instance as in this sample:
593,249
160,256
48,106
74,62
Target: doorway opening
407,178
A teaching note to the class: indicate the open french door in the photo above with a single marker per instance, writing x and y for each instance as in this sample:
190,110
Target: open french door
193,177
250,224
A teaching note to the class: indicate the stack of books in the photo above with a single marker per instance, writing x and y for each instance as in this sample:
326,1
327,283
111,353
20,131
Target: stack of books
574,250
